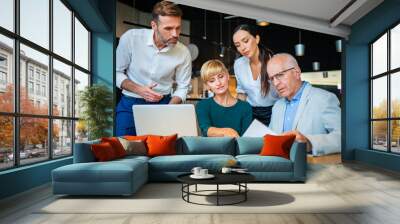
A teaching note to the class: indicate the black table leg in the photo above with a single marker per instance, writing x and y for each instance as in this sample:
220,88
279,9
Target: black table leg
245,193
217,194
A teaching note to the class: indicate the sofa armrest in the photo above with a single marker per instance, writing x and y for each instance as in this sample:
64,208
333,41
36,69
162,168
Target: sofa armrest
298,155
83,153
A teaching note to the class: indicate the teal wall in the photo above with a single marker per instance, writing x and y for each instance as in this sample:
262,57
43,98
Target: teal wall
24,178
99,16
356,86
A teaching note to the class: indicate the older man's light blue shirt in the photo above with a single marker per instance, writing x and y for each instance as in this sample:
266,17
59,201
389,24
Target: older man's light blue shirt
291,109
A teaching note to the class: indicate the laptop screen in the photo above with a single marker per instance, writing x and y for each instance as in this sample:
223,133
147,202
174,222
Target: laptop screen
165,119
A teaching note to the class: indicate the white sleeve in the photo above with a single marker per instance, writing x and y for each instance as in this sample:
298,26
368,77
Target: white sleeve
123,58
183,76
236,70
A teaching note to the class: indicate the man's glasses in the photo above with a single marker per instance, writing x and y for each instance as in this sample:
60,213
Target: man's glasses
278,76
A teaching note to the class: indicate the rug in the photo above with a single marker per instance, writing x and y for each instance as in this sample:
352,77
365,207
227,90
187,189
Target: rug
166,198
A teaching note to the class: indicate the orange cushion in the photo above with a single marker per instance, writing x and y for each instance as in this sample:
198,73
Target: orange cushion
161,145
103,151
116,145
135,138
277,145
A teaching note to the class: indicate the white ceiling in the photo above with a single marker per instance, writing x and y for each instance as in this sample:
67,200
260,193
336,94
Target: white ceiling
314,15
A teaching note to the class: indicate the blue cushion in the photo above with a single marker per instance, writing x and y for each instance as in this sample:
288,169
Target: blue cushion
257,163
119,177
249,145
83,153
111,171
185,163
206,145
133,157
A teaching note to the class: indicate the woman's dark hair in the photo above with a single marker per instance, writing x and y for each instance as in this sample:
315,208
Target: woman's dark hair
264,56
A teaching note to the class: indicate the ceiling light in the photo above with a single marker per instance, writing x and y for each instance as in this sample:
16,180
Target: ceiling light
299,48
338,45
222,52
261,22
205,25
315,66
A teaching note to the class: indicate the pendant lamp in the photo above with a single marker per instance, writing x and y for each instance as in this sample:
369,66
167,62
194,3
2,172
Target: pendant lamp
338,45
315,66
299,48
205,25
222,48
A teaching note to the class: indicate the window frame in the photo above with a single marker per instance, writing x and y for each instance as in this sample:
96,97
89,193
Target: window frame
388,74
16,114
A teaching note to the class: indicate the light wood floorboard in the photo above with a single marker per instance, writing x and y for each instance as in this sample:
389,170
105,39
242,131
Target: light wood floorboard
377,190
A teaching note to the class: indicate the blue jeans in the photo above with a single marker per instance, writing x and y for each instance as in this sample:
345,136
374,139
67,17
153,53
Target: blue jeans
124,119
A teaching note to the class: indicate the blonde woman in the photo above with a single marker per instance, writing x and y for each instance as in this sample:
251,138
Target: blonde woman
223,114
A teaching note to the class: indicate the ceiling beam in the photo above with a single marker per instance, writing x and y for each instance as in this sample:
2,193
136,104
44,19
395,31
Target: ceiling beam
270,15
346,11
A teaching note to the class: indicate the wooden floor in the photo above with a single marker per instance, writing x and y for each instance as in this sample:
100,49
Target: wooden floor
378,189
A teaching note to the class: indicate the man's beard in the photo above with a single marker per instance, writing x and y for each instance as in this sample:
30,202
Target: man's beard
164,41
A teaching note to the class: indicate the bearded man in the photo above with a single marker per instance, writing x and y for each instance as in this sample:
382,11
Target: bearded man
148,61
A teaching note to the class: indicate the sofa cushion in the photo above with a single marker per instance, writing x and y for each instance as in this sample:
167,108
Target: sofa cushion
257,163
206,145
249,145
103,151
83,152
277,145
135,147
112,171
131,158
161,145
136,137
116,145
185,163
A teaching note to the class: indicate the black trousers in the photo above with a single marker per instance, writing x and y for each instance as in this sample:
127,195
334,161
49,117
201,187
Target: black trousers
262,114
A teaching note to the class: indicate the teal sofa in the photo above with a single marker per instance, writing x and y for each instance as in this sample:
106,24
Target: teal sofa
125,176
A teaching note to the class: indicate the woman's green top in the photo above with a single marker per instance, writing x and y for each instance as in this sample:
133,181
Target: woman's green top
211,114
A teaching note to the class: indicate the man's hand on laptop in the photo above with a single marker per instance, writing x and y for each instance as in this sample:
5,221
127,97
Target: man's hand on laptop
149,94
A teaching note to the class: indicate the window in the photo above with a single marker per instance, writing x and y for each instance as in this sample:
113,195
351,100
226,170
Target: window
38,74
7,14
385,94
81,45
45,131
62,74
3,72
6,74
62,29
3,78
3,61
44,77
35,22
38,89
30,87
43,90
30,72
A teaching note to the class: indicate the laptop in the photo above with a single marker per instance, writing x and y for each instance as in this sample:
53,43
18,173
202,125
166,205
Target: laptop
165,119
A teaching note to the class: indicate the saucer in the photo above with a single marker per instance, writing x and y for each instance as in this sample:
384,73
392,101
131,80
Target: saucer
208,176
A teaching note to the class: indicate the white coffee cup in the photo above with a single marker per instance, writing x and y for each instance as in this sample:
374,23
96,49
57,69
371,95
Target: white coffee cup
196,170
226,170
203,172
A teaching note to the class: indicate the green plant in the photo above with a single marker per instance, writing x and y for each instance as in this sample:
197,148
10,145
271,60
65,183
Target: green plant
96,104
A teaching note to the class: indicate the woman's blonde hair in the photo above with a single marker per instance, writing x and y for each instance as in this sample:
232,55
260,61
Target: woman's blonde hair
211,68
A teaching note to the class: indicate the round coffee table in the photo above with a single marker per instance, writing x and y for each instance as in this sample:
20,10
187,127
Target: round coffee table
238,179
